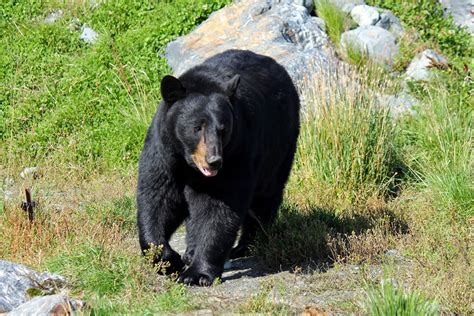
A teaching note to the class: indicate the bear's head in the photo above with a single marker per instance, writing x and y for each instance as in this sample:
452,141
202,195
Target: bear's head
202,124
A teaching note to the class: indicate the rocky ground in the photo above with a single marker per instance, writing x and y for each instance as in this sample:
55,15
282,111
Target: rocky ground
329,289
318,289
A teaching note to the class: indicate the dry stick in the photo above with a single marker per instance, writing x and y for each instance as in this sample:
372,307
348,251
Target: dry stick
29,205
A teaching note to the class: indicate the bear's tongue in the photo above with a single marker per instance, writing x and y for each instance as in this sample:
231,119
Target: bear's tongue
208,173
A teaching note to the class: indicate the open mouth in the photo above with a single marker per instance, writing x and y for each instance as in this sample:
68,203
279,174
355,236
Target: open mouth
207,172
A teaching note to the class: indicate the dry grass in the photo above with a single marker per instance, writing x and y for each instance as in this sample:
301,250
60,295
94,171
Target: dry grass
61,206
86,232
343,175
359,248
345,151
442,254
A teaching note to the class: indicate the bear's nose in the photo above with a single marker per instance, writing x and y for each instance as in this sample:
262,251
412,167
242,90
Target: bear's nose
215,162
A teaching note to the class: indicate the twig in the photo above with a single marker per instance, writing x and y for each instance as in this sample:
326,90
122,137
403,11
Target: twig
29,205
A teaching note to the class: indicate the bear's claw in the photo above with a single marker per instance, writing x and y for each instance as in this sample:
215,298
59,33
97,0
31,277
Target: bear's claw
191,278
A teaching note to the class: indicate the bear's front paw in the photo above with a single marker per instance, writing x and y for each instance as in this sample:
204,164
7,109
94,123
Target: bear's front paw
192,277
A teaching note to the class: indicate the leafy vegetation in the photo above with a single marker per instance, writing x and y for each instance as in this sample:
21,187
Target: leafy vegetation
442,161
434,29
427,27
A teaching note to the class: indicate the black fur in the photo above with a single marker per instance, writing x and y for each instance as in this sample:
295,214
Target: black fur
244,108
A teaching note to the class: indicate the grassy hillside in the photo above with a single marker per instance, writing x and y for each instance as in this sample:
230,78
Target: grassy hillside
66,102
363,182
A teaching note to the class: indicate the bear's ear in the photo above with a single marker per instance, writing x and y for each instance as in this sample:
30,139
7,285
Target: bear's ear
171,89
231,86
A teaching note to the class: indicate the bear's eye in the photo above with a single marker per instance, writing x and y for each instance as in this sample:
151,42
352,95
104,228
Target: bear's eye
197,129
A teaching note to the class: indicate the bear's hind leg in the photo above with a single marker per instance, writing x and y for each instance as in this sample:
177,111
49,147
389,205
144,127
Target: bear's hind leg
262,213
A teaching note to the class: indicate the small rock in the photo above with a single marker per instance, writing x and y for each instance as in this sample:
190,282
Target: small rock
53,16
365,15
399,104
8,191
29,171
392,253
9,182
395,256
8,195
59,304
390,22
94,4
461,11
313,311
88,35
17,280
378,43
347,8
420,67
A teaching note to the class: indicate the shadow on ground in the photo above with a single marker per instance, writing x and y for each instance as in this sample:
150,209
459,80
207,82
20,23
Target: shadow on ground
293,262
315,238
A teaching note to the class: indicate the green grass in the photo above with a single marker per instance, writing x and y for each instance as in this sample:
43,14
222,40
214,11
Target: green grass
92,268
335,20
440,153
173,298
346,141
78,111
65,102
98,253
390,299
345,168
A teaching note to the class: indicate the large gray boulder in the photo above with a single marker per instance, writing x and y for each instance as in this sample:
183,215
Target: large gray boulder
420,67
377,43
283,30
19,283
462,12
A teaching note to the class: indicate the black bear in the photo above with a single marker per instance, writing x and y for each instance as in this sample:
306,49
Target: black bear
217,155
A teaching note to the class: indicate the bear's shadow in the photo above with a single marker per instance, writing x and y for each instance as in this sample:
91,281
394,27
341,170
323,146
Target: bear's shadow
297,241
